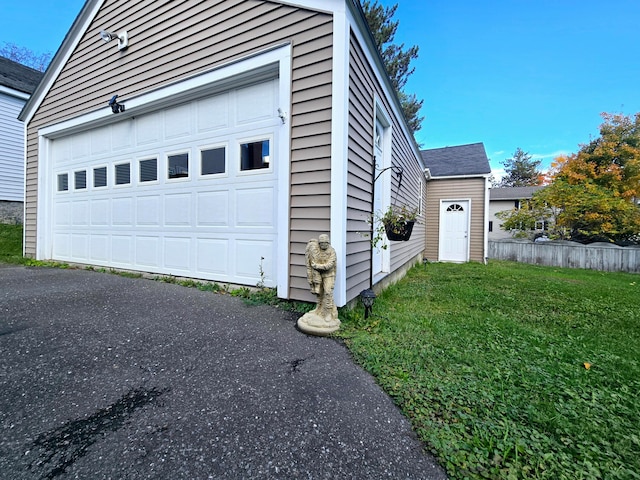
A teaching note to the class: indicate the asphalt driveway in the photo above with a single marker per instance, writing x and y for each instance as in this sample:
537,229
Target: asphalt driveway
103,376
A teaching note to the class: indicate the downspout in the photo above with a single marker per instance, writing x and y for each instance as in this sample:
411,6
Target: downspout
486,220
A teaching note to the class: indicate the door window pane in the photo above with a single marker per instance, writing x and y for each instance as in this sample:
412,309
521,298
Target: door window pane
123,174
178,165
63,182
213,161
100,177
254,155
80,180
149,170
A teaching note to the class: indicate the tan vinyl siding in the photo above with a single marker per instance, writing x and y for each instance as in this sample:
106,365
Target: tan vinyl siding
174,40
362,88
462,189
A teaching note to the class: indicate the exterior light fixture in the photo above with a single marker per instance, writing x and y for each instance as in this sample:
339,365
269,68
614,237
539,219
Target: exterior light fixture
122,37
367,297
115,106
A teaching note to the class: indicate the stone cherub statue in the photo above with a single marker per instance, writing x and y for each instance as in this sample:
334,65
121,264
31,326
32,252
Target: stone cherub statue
321,272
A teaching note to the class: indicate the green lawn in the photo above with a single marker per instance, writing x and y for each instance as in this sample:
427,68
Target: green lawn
11,244
511,370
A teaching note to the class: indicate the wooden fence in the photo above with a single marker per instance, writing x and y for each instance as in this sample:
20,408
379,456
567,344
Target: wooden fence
596,256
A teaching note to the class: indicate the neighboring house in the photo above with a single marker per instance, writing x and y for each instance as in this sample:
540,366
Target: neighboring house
457,203
241,129
507,198
17,82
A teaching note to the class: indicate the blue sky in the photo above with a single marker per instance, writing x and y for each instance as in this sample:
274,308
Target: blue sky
534,74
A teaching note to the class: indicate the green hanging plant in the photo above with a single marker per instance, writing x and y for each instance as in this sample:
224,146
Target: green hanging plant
395,223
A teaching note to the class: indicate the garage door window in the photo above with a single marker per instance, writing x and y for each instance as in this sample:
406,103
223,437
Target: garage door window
178,165
63,182
149,170
254,155
100,177
213,161
123,174
80,180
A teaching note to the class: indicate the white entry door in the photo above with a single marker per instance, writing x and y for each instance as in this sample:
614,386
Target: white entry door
454,231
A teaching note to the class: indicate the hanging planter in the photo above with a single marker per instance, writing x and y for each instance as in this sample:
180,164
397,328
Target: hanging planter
399,232
396,223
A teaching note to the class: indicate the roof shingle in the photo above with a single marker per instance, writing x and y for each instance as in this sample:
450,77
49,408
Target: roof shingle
513,193
459,160
18,77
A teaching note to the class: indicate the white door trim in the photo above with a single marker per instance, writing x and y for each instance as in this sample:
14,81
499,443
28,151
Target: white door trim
273,62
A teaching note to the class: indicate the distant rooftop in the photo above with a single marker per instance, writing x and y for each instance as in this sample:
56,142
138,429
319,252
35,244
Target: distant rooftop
513,193
18,77
458,160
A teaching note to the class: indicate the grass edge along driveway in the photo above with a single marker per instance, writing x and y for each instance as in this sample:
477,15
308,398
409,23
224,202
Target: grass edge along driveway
509,370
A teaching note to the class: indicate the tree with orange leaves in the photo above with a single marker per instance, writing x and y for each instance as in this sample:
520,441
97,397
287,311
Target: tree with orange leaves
595,193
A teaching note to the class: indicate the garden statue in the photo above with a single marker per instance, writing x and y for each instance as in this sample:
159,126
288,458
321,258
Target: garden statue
320,258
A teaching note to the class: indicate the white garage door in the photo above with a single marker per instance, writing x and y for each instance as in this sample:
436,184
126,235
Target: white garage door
189,190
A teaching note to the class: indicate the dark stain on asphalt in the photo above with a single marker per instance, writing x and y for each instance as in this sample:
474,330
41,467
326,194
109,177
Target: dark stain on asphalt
295,365
61,447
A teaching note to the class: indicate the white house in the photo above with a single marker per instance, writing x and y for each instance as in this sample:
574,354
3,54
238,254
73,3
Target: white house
17,82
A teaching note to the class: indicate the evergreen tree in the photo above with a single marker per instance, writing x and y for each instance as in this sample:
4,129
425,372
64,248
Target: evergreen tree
521,171
396,59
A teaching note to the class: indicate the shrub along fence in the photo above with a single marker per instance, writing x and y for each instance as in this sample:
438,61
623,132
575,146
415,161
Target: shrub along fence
561,253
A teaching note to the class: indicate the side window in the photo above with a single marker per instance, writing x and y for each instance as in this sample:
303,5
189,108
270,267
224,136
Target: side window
80,180
100,177
213,161
63,182
178,165
148,170
255,155
123,173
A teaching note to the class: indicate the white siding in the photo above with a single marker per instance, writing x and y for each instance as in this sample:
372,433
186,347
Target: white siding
11,149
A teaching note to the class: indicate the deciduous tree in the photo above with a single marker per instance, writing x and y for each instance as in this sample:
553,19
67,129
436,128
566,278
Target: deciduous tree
24,56
594,193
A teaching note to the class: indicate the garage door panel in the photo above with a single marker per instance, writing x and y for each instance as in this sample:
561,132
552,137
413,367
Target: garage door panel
101,140
148,210
213,113
61,148
81,146
99,248
61,246
122,249
177,253
213,209
62,214
177,122
79,245
147,251
122,211
252,256
255,207
80,213
177,209
149,128
122,135
253,105
213,256
100,212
